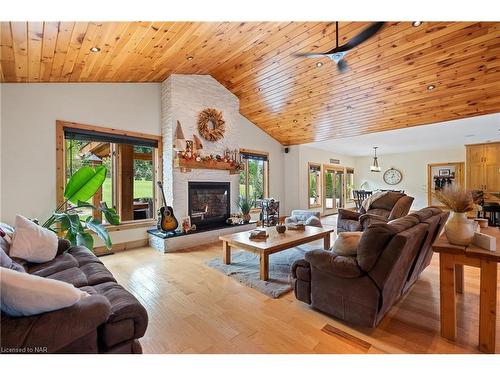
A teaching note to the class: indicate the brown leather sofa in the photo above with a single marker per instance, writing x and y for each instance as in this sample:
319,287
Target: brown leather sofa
110,320
391,206
361,289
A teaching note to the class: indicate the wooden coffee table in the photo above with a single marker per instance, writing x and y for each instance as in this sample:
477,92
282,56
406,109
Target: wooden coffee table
274,243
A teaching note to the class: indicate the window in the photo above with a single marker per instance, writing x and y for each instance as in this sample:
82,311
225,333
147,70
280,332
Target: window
254,178
349,184
314,185
132,161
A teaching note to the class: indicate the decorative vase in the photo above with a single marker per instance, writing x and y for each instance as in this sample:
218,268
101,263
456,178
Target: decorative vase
246,218
459,230
281,228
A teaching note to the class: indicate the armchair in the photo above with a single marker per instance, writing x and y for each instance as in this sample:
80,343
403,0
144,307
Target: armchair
391,206
361,289
305,217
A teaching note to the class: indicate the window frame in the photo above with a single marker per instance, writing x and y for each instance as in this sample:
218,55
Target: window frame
349,170
61,164
266,173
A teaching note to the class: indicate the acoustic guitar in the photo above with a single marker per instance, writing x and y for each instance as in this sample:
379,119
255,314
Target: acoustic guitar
166,219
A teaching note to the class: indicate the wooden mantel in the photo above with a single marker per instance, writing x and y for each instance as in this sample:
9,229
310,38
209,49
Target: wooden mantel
185,165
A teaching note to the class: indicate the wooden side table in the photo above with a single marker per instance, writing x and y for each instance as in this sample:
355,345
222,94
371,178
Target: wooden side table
452,259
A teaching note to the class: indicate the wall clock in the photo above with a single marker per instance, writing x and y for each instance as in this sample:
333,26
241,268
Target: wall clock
392,176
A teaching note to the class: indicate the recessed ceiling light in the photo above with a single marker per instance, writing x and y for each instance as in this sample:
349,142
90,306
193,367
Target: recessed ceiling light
295,121
95,49
416,23
259,89
431,87
319,64
189,58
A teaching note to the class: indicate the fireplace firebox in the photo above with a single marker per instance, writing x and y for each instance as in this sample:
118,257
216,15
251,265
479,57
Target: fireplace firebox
209,203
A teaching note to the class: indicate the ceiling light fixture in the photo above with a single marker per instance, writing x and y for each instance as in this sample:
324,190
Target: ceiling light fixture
416,23
375,167
295,121
189,58
431,87
319,64
95,49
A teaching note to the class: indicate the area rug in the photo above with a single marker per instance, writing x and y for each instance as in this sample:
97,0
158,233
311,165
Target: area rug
244,267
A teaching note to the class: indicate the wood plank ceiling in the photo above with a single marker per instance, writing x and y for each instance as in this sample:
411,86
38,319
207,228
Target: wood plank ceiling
289,97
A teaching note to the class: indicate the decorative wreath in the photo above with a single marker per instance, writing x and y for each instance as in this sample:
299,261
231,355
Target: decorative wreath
211,125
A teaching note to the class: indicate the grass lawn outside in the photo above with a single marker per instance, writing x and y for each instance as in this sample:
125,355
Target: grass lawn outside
142,189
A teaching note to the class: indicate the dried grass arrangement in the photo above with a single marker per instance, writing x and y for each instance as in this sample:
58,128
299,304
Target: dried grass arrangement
455,198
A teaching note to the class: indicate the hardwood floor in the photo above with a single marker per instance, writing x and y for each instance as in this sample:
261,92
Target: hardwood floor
195,309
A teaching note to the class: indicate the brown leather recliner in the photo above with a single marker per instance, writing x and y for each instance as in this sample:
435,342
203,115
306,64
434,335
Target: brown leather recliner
361,289
110,320
391,206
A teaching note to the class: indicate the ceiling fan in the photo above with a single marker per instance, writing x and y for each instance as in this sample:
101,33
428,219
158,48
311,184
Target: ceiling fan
339,52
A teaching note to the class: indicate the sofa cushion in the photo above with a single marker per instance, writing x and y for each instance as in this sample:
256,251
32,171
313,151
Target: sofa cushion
33,242
24,294
96,273
73,275
60,263
372,243
83,255
387,201
347,243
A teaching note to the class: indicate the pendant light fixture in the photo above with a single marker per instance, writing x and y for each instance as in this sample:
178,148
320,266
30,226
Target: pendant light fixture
375,167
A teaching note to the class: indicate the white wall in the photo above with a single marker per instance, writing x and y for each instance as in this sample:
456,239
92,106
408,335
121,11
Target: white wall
28,145
413,166
296,173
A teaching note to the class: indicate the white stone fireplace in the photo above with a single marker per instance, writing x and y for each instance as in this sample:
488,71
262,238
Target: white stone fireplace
183,98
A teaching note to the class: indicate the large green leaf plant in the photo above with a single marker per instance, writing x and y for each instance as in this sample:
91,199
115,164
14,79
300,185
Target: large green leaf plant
82,186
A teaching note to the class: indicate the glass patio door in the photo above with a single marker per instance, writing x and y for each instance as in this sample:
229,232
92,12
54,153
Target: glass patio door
333,182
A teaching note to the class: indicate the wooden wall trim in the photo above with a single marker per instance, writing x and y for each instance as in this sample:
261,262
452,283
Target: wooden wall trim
122,246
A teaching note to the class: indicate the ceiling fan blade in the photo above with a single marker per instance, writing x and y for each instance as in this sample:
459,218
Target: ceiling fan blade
358,39
311,55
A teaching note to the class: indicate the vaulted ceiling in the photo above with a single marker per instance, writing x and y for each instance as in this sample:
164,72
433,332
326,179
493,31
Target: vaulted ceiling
287,96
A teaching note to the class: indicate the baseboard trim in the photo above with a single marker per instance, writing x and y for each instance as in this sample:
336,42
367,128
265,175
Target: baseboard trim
123,246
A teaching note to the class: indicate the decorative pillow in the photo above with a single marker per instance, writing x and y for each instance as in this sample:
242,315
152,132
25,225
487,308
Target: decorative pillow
347,243
24,294
32,242
6,262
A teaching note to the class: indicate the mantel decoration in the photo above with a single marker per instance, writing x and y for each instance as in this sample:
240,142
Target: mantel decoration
211,124
459,230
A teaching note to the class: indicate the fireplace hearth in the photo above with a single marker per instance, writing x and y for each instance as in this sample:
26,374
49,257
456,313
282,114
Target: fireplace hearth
209,203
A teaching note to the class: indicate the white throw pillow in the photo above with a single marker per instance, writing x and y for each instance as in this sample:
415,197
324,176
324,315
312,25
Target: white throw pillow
24,294
32,242
347,243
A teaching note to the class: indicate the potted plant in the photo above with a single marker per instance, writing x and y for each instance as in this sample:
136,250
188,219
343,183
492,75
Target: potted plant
459,229
245,205
66,219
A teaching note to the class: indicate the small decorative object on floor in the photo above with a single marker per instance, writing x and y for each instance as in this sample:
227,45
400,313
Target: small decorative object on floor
281,228
297,226
459,230
258,234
